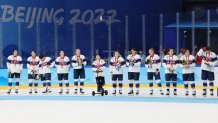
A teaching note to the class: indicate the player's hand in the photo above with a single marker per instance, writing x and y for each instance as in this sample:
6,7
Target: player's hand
20,71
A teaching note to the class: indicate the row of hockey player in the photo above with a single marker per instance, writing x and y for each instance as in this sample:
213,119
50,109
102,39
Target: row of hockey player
39,67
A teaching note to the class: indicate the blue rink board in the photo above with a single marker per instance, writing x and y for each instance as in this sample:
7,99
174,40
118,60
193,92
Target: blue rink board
114,99
91,80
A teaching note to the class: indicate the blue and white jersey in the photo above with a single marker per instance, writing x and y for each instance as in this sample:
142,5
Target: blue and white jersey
133,62
117,65
98,66
62,64
211,58
190,64
14,64
46,65
78,62
154,64
33,64
171,62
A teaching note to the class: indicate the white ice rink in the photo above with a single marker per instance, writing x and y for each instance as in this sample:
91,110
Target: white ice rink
53,108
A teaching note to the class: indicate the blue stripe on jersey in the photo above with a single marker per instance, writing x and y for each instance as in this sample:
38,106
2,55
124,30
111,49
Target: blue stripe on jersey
98,65
31,63
168,61
46,63
211,59
59,63
12,61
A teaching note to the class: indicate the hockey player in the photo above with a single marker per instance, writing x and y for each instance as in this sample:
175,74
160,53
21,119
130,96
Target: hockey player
45,65
152,62
171,63
98,67
117,63
14,65
133,62
188,64
78,63
33,69
209,60
62,64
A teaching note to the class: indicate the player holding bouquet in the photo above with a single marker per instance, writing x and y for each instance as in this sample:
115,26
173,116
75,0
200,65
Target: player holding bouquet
171,63
152,62
133,62
188,64
117,63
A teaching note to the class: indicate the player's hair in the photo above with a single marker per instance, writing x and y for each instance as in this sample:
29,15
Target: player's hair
151,49
134,50
207,48
41,56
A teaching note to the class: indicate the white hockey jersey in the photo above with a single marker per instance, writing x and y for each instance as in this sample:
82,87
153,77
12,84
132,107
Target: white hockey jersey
98,68
210,58
78,62
117,65
134,62
155,63
170,62
46,65
187,64
62,64
33,64
14,64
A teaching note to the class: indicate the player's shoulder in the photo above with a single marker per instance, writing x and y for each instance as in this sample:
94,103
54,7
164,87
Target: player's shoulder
156,56
175,56
82,56
213,54
138,56
19,57
102,61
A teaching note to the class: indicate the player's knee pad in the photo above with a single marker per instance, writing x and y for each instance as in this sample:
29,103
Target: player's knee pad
67,84
151,84
193,85
120,84
159,84
205,84
44,84
211,84
48,84
82,83
130,85
10,84
174,84
137,85
30,84
60,84
36,84
114,84
168,84
75,82
17,83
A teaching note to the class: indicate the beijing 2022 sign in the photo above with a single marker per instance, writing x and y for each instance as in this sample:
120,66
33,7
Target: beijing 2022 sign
33,15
